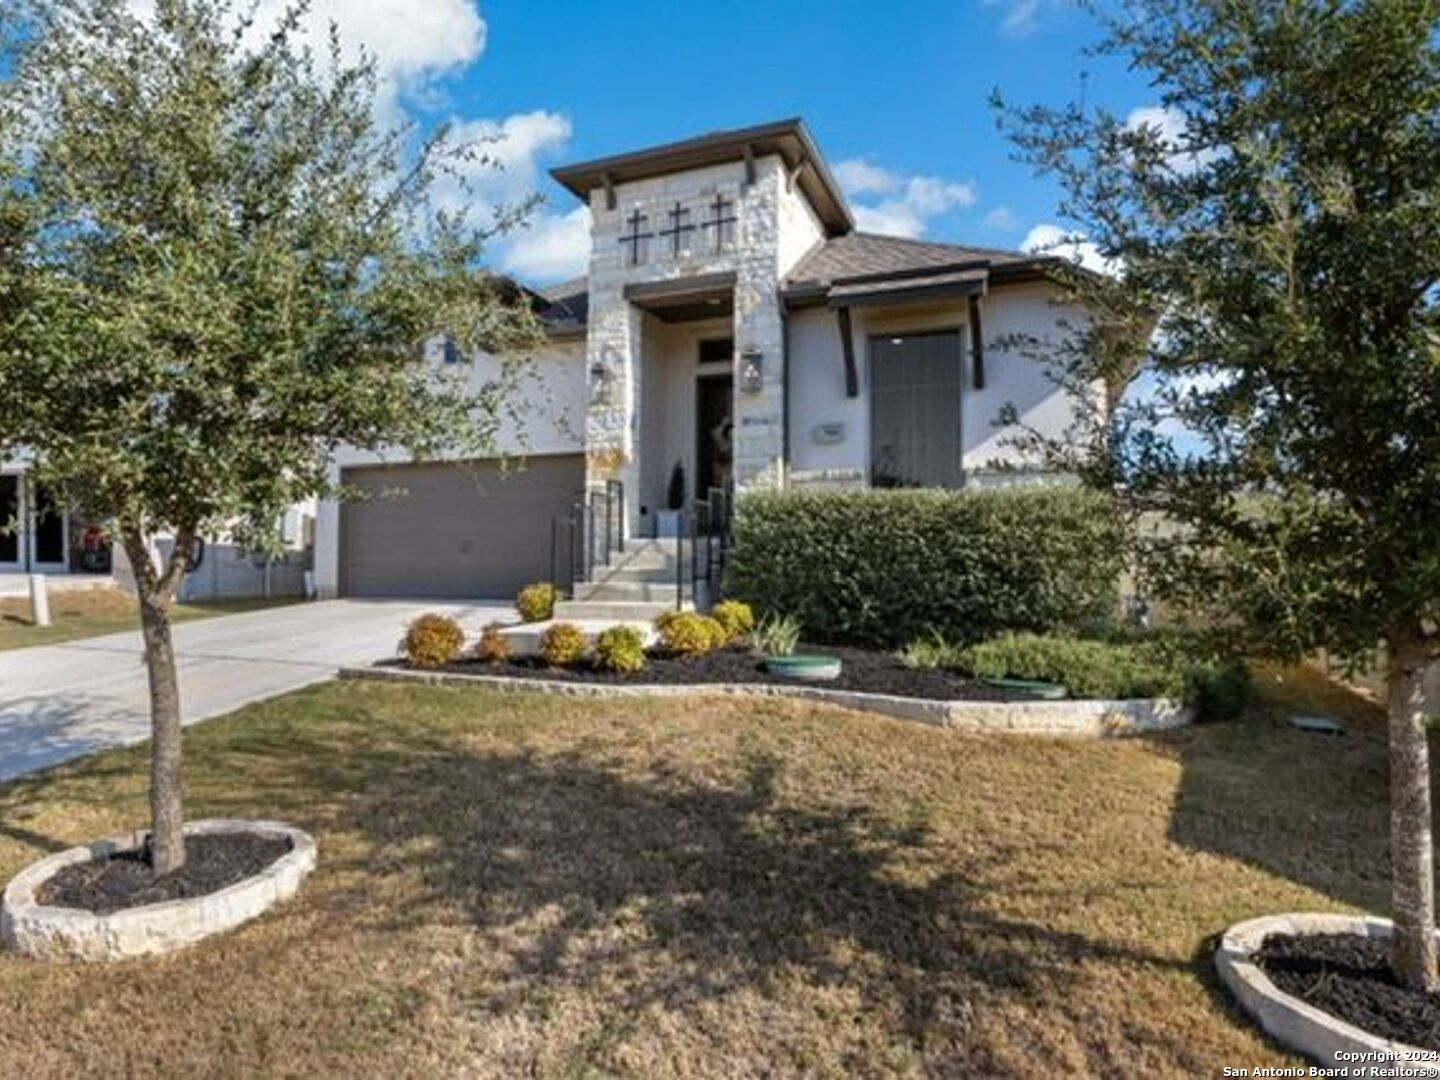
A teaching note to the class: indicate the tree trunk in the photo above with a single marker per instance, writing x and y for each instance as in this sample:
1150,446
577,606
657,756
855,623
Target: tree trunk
1412,895
155,590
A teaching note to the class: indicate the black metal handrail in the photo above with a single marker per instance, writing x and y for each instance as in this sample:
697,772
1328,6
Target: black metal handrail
707,527
589,535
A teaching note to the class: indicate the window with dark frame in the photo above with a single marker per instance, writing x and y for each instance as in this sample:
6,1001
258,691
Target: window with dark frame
915,385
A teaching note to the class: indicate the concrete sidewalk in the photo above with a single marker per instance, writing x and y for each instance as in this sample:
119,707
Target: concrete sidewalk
62,701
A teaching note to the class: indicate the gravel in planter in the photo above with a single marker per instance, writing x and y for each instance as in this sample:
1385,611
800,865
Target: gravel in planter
863,670
1348,976
124,880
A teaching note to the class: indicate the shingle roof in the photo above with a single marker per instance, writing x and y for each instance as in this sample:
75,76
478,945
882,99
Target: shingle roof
568,306
862,255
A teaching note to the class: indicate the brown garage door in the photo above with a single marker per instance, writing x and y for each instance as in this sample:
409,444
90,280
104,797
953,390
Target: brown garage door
464,530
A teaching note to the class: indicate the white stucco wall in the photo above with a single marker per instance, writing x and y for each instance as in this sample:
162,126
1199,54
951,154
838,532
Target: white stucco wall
817,381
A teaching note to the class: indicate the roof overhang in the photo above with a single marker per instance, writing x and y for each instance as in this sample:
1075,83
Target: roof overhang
705,296
788,139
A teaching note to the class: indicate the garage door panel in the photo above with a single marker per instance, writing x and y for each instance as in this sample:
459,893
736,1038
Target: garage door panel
453,530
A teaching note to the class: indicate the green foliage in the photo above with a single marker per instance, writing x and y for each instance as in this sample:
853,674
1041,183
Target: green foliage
562,644
1183,667
536,602
776,635
1261,230
492,647
735,616
432,640
931,650
883,567
215,269
620,648
688,633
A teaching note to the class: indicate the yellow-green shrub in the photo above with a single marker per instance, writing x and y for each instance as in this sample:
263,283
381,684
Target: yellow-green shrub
432,640
536,602
493,647
688,633
620,648
735,616
562,644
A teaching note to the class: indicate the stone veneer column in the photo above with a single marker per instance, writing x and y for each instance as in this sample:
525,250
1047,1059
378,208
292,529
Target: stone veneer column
760,417
614,350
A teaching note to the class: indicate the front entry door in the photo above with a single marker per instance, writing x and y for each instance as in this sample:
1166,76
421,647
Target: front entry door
11,527
714,422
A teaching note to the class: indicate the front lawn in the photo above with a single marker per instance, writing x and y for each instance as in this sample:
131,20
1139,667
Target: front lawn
84,613
529,885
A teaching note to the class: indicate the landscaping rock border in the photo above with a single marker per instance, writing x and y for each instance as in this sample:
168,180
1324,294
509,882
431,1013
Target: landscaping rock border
1085,717
55,933
1326,1039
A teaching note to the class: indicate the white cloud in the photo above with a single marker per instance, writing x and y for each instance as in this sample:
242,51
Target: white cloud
905,203
856,176
505,166
1051,239
1023,17
1170,128
550,247
411,41
1003,218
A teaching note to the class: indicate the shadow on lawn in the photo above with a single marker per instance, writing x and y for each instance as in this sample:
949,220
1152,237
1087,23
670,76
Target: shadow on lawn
656,882
1309,808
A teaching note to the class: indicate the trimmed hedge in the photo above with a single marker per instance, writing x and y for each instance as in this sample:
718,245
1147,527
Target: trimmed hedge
880,568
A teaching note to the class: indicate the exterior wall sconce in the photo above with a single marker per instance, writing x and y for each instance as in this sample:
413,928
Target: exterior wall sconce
602,385
752,371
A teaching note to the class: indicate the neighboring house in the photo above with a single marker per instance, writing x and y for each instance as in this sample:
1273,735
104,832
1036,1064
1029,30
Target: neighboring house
39,535
735,321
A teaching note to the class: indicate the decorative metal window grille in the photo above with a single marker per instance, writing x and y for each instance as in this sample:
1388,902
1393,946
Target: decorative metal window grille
721,223
636,241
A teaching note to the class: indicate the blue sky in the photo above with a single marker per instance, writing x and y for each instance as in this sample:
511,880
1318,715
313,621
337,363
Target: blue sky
895,93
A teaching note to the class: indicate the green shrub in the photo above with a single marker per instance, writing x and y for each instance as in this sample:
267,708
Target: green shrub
1218,689
689,633
1183,667
1089,669
536,602
620,648
735,616
562,644
776,635
931,650
883,567
432,640
493,647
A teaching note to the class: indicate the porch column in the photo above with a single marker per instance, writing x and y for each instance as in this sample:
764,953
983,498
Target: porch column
612,415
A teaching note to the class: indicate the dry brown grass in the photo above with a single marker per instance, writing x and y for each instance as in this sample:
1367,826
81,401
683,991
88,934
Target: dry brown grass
516,885
83,613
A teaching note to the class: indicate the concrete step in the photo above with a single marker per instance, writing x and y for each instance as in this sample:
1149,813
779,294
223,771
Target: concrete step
612,610
628,591
641,575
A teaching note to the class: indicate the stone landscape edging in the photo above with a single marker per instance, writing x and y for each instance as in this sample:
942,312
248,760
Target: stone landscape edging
1093,717
1298,1025
53,933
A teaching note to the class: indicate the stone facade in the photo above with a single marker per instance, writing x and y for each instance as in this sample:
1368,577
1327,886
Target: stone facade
773,227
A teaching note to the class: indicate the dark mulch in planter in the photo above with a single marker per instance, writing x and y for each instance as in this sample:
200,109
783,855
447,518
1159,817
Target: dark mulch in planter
1348,976
212,862
865,670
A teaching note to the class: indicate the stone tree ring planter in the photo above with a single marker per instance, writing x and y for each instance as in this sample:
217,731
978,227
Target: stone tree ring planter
1321,1036
53,933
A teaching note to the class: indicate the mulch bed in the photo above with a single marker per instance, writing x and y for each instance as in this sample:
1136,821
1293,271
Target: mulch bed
1348,976
864,670
212,862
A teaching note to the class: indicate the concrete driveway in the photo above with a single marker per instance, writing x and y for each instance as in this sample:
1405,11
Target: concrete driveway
62,701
